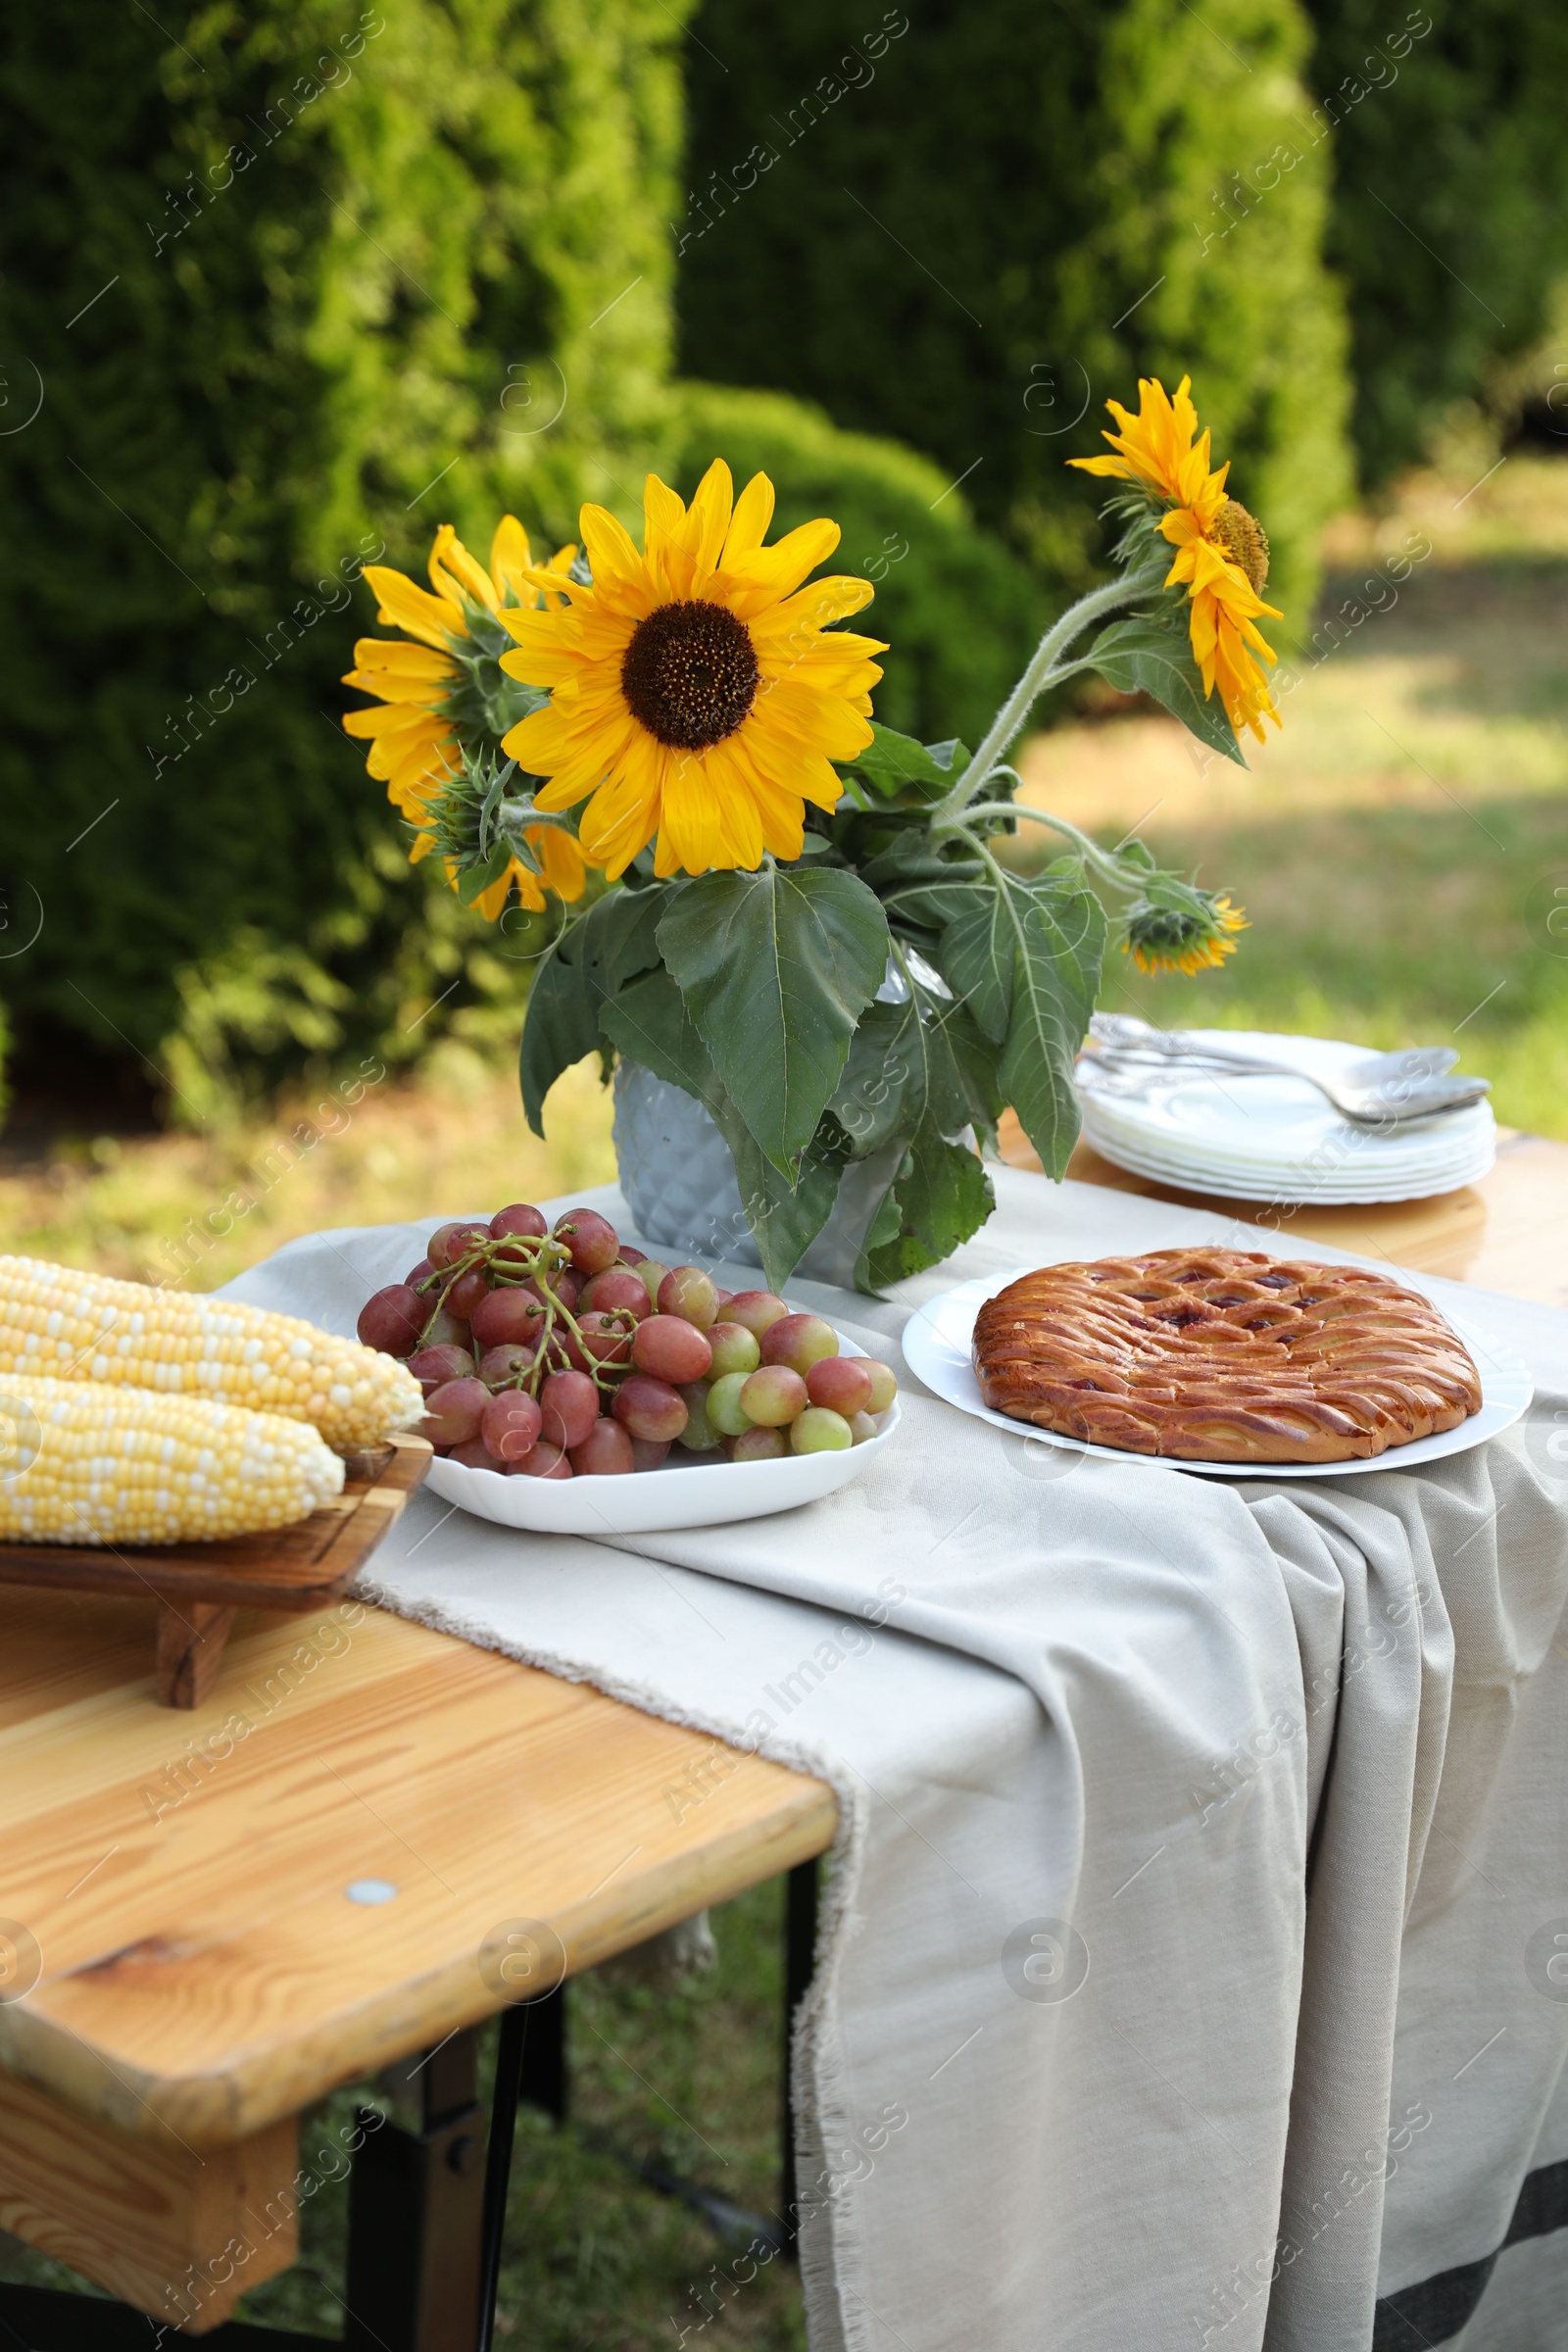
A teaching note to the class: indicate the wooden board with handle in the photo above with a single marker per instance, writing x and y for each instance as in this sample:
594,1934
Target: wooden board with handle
199,1586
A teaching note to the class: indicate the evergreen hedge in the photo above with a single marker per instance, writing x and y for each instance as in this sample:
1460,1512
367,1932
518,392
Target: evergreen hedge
963,228
1449,220
273,273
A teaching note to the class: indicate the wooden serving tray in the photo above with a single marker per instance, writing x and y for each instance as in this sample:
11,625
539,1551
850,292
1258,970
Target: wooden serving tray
198,1586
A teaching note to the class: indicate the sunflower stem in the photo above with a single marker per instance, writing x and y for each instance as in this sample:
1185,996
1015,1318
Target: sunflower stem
1102,860
1040,674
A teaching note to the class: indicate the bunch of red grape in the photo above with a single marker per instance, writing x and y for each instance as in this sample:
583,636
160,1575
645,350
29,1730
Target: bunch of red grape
568,1353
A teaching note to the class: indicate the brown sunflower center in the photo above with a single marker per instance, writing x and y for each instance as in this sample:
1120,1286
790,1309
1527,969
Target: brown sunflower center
1243,540
690,674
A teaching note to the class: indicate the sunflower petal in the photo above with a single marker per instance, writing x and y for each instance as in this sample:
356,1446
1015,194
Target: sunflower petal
621,578
398,659
433,619
666,562
773,572
448,557
562,859
708,522
509,560
754,512
390,719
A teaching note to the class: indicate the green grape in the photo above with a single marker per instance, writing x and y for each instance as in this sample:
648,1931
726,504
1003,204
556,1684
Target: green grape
725,1410
820,1430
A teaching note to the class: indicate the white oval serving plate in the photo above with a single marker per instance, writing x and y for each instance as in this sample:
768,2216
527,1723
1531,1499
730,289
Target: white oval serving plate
686,1490
937,1341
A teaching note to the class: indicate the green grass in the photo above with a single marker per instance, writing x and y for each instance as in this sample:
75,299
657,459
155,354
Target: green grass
689,2077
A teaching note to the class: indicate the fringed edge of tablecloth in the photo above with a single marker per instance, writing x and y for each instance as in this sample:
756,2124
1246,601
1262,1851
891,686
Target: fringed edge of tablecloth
829,2237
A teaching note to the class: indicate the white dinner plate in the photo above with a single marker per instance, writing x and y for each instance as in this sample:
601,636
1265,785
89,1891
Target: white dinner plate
1341,1187
1338,1155
686,1490
937,1341
1275,1138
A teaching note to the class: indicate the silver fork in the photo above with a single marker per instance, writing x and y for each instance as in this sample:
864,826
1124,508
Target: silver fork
1387,1091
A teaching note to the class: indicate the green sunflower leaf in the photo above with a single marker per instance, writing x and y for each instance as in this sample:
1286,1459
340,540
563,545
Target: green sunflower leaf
941,1196
625,936
647,1022
1024,959
1146,657
1059,942
785,1216
884,1064
977,954
776,968
893,762
561,1023
941,1078
590,964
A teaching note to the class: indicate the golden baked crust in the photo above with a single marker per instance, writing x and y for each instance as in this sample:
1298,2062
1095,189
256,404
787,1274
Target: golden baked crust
1223,1356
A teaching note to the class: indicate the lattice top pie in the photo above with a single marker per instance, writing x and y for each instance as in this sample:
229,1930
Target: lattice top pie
1223,1356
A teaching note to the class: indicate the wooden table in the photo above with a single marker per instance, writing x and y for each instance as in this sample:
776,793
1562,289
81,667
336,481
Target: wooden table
1507,1233
195,1895
366,1838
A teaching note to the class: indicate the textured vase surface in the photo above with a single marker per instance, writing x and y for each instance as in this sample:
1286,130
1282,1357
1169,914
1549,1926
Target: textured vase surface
679,1181
676,1172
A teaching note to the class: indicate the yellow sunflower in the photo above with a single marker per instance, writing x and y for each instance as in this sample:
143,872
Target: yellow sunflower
433,689
1222,553
697,694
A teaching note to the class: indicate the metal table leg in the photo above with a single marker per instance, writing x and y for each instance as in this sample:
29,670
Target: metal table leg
498,2161
800,1959
544,2081
414,2217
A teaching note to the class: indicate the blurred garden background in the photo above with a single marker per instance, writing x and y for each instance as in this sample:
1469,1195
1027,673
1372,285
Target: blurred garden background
285,285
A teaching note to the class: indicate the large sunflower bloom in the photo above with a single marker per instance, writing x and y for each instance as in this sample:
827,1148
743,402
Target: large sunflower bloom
697,694
1222,553
416,741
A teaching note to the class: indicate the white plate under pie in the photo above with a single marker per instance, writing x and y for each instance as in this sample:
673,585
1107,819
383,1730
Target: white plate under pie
937,1344
688,1490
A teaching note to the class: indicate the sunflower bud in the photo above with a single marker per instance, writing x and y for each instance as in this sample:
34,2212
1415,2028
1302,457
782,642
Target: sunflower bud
1181,929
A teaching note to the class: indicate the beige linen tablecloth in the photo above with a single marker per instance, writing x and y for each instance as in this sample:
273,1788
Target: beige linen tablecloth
1194,1967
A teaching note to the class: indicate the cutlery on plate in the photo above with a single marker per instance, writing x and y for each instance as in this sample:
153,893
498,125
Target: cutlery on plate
1369,1094
1180,1045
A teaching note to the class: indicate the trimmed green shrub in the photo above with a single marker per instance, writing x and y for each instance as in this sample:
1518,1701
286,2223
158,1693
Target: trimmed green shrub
969,229
1449,265
295,283
959,613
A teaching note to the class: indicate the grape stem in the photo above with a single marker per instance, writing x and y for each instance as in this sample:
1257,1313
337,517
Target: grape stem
511,1260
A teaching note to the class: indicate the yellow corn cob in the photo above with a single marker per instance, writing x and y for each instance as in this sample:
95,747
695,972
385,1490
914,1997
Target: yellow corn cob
58,1324
85,1462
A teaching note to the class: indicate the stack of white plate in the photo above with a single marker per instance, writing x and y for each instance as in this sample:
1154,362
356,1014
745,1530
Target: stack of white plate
1274,1139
